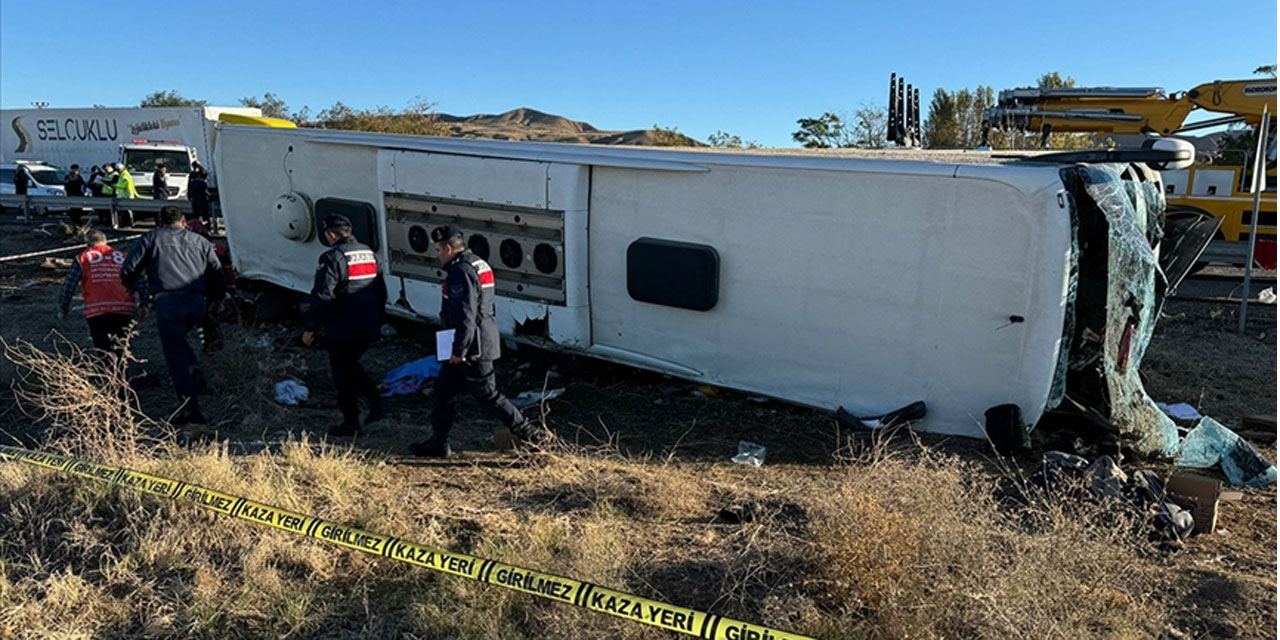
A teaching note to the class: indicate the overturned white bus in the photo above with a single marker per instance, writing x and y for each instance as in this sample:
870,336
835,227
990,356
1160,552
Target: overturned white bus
958,280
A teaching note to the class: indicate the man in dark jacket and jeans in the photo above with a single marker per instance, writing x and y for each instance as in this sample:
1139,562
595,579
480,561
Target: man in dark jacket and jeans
348,300
182,273
468,309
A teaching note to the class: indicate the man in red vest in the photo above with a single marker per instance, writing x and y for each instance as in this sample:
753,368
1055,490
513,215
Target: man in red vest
108,307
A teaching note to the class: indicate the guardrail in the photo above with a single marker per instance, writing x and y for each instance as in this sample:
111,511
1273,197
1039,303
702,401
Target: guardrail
27,203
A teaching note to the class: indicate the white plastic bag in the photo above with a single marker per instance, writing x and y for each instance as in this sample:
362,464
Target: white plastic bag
291,392
749,453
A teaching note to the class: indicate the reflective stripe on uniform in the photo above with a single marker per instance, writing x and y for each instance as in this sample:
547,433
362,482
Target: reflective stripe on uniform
361,265
484,273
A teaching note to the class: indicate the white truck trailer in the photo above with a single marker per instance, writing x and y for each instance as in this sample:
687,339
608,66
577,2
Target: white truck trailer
962,281
140,138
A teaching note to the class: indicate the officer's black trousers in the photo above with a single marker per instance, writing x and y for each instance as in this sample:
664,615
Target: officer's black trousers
479,377
176,315
108,329
350,379
200,209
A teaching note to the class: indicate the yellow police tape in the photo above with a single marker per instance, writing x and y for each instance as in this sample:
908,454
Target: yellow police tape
545,585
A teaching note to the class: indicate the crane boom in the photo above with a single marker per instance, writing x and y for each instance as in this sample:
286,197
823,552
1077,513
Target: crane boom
1126,109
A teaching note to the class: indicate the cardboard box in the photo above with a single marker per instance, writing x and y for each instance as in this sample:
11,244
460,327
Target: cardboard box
1200,495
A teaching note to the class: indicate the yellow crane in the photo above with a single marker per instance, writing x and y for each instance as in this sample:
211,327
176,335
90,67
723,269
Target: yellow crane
1222,191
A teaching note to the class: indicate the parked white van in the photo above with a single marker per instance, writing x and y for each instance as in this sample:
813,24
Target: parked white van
46,180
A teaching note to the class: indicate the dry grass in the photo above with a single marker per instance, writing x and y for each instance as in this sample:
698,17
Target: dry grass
931,546
890,544
85,397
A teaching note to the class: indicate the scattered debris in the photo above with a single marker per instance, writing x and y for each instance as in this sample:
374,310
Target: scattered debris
749,453
910,413
1267,296
1180,412
1170,519
1258,429
1105,477
1266,423
530,398
56,263
410,378
30,283
1211,444
388,331
1072,476
291,392
758,399
258,342
737,513
1198,494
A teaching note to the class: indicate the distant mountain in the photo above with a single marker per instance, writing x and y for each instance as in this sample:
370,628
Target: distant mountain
526,124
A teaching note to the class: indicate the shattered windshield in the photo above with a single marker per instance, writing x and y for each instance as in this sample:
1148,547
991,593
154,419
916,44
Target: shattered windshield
1120,293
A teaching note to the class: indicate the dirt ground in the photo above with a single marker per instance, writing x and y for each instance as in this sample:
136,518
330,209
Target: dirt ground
1220,585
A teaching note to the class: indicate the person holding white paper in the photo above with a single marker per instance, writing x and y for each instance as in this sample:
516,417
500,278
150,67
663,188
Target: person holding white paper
467,308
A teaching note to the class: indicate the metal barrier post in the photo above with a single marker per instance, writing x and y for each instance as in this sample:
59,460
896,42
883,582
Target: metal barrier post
1259,179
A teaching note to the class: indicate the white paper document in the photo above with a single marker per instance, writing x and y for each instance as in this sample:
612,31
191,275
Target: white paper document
444,344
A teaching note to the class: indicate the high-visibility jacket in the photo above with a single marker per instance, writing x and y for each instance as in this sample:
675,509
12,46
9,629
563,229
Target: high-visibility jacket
108,183
124,188
100,282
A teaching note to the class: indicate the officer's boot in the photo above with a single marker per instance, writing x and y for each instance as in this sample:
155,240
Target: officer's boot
437,446
503,440
346,429
377,410
528,435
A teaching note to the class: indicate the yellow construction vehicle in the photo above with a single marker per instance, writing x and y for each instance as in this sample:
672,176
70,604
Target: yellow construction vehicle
1224,192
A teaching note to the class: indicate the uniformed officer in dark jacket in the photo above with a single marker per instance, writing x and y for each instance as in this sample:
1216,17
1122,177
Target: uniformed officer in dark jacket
183,273
467,308
348,301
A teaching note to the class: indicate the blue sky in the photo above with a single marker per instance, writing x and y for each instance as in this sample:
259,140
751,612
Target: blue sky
747,68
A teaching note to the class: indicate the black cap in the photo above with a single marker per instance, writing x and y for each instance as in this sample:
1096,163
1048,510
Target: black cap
447,232
333,221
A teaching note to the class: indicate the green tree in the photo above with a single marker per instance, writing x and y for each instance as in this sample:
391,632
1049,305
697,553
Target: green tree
415,119
865,128
271,106
955,117
942,127
1235,145
870,127
824,132
956,121
664,137
1054,80
728,141
170,98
